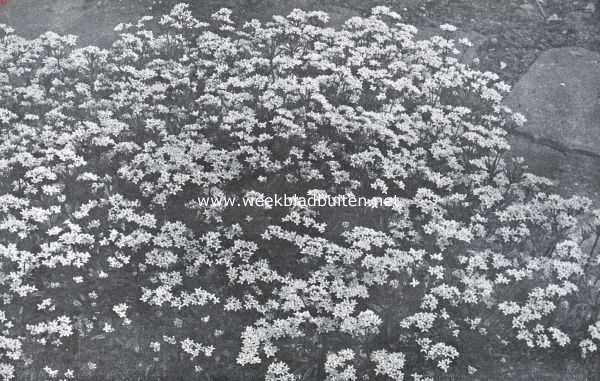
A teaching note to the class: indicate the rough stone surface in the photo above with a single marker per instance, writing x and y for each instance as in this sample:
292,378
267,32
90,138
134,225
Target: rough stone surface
468,54
529,12
560,96
574,174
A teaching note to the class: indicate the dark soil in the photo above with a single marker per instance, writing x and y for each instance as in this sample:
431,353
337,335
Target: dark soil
516,32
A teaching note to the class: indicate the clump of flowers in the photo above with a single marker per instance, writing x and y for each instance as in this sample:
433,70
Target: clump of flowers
105,152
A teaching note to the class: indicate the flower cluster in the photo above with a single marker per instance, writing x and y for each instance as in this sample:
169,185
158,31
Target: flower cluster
105,152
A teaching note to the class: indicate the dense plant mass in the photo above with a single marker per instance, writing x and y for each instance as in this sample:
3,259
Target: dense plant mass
112,269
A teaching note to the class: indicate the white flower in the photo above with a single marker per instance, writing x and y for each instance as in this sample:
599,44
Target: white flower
108,328
155,346
587,346
279,371
121,310
448,28
78,279
389,364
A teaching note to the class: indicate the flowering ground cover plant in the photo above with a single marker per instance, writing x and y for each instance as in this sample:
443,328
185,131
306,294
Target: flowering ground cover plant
111,269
